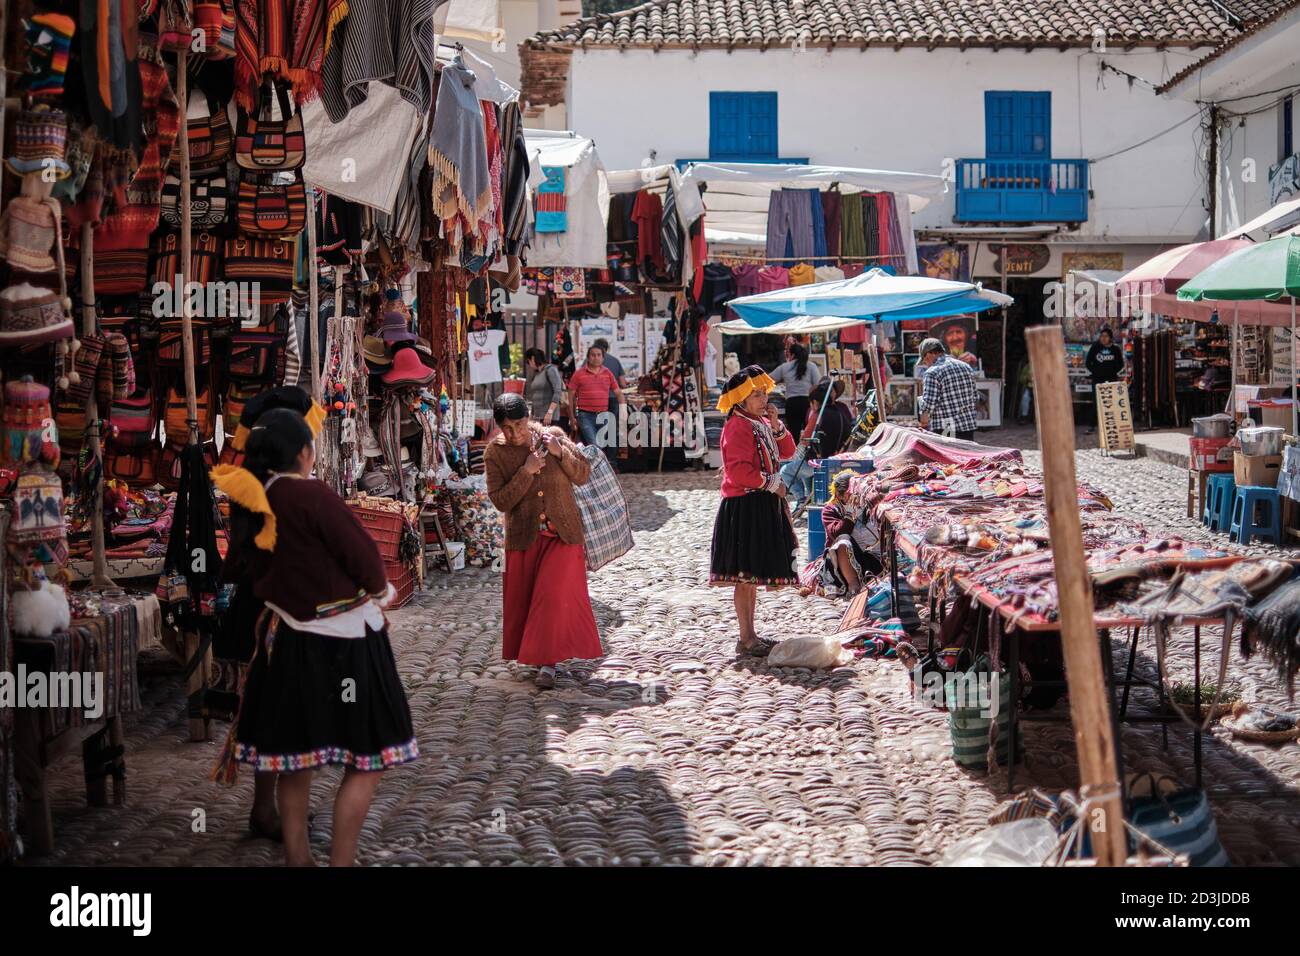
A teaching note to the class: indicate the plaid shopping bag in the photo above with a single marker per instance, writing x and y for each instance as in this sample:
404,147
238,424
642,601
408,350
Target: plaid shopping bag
607,532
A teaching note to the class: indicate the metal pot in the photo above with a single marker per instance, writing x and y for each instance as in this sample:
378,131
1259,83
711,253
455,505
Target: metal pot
1214,426
1261,441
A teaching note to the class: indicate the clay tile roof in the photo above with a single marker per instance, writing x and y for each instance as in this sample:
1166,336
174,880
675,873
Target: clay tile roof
1263,22
1055,23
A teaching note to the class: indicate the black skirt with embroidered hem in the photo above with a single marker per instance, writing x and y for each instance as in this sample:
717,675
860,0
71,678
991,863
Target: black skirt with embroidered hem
311,700
754,542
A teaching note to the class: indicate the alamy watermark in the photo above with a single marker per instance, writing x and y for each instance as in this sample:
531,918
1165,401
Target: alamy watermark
61,690
654,429
208,300
951,690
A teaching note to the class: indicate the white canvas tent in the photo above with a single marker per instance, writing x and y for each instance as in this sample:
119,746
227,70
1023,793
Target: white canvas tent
737,195
586,189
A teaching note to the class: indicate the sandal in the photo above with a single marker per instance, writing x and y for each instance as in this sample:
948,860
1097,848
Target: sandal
760,647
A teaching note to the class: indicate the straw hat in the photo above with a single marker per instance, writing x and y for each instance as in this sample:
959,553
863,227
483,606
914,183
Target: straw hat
376,351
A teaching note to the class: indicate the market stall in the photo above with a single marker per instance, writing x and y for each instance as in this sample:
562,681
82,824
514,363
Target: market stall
214,228
969,525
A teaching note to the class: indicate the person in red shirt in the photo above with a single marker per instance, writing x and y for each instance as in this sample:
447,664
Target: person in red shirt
589,390
753,537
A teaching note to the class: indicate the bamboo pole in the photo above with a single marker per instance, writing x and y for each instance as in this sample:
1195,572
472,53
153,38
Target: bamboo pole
313,298
197,681
1090,708
99,575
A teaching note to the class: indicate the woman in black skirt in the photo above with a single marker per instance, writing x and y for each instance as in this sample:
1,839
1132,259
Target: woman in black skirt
323,688
753,537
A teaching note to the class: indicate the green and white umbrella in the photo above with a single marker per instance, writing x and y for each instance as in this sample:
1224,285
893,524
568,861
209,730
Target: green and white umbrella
1267,270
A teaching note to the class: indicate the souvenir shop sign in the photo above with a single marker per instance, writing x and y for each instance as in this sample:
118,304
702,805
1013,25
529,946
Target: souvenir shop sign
1114,417
1020,258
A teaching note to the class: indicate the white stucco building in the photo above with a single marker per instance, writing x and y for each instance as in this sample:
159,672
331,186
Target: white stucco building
1045,114
1253,84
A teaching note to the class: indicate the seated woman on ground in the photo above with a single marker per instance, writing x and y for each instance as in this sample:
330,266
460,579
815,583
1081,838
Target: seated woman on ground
845,564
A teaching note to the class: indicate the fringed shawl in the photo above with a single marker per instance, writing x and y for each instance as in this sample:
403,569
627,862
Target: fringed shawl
286,38
462,184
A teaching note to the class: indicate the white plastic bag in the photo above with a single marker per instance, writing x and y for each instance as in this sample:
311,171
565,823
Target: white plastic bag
1026,842
811,652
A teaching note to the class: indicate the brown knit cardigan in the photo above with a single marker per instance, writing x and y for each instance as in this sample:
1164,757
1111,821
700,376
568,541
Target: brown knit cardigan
525,498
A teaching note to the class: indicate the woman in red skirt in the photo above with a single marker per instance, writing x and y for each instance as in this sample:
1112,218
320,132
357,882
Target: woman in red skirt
531,471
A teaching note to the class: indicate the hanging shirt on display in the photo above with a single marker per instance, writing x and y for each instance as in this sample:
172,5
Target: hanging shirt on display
484,362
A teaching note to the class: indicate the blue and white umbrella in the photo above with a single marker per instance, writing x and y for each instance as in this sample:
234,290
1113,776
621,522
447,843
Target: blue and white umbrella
873,295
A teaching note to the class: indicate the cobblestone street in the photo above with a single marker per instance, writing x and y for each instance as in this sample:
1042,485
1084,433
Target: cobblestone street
668,750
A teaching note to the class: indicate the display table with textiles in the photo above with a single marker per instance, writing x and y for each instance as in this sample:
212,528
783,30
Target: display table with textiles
974,529
108,629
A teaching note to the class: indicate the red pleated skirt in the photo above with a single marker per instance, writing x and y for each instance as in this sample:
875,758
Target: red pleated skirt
547,610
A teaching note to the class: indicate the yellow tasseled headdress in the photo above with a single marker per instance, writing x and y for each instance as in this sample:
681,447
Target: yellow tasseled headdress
243,488
315,418
743,384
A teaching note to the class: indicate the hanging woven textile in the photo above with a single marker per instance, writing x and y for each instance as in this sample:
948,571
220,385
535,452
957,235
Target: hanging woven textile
286,38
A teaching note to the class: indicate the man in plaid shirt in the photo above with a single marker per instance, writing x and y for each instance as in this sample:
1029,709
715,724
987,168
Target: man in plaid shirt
947,404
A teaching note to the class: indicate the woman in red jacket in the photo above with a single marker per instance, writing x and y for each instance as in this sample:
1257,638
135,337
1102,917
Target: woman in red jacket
753,538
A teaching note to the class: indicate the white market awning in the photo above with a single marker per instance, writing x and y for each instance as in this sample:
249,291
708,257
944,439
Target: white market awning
1282,215
802,325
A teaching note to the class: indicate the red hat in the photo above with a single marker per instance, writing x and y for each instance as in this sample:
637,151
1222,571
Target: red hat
408,370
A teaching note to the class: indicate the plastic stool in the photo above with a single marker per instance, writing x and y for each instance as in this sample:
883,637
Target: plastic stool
1243,527
1219,493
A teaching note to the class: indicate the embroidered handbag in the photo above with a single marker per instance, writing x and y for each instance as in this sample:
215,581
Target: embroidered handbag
38,508
169,464
175,424
267,144
205,263
256,355
137,467
606,530
70,419
209,199
171,348
136,421
267,262
121,271
269,208
210,140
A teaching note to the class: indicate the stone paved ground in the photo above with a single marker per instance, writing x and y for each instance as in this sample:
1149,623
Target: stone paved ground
668,750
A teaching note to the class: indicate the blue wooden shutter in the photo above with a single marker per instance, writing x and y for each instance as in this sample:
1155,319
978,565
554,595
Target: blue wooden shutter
999,125
1034,126
1017,125
742,126
761,110
725,133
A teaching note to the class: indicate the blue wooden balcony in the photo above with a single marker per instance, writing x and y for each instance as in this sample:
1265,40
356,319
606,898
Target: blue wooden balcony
1011,190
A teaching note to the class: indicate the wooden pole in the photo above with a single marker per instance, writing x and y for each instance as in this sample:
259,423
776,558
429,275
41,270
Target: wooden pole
99,575
197,682
313,297
1090,707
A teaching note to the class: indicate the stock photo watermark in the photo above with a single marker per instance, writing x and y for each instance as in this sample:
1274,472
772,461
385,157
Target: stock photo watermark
60,690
